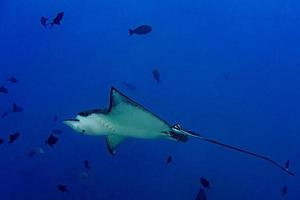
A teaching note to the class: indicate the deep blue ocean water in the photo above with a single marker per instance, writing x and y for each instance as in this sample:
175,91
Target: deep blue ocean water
229,70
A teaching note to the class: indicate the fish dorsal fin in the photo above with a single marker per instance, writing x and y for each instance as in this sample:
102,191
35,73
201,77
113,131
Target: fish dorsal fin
113,141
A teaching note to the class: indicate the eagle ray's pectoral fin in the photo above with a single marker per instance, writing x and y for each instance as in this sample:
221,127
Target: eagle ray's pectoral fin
112,142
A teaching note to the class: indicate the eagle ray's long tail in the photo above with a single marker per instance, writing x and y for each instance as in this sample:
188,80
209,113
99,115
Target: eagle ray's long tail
240,150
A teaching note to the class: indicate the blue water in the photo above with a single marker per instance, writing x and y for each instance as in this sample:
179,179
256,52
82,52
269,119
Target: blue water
196,46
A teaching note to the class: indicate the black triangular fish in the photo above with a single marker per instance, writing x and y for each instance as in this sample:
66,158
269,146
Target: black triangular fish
57,19
13,79
62,188
156,75
3,90
13,137
205,183
52,140
169,160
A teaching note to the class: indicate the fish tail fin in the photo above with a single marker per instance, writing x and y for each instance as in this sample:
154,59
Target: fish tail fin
131,32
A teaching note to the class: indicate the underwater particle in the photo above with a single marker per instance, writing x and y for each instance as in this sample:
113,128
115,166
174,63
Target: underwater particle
205,183
43,21
140,30
52,140
169,159
156,75
13,137
129,86
16,108
3,90
284,191
55,118
57,19
87,164
201,195
1,140
4,114
57,131
12,79
62,188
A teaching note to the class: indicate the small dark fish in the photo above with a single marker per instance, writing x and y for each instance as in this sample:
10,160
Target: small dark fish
62,188
16,108
1,140
3,90
13,137
287,164
44,21
129,86
52,140
284,190
169,160
55,118
87,164
13,79
57,131
57,19
140,30
205,183
4,114
201,195
156,75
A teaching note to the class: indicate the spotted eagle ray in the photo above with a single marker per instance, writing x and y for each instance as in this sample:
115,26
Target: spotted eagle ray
126,118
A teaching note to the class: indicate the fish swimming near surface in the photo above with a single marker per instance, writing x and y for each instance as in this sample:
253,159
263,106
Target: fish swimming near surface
13,137
52,140
12,79
62,188
156,75
57,19
44,21
3,90
126,118
16,108
205,183
140,30
201,195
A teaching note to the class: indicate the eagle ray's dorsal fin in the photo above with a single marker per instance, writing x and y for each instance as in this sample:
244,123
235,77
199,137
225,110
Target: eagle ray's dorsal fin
116,98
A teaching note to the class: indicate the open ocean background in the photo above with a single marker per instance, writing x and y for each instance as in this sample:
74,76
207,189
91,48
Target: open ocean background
230,70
